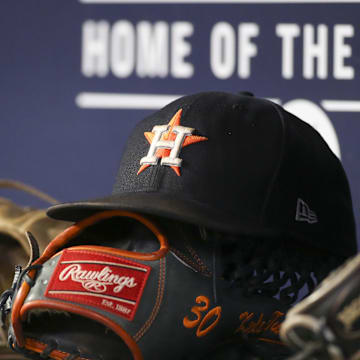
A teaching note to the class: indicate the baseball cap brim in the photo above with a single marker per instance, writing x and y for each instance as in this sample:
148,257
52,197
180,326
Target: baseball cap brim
158,204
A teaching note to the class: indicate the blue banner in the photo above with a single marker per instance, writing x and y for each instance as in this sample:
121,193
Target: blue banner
77,75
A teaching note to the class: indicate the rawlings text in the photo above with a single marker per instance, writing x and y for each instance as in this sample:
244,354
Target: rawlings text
97,281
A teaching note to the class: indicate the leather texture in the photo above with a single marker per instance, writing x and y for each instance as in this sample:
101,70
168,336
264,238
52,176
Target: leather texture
15,221
187,310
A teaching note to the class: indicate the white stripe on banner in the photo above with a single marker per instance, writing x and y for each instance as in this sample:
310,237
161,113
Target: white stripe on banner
341,105
219,1
88,100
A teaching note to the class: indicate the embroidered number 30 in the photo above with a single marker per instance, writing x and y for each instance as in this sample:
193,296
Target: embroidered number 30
202,323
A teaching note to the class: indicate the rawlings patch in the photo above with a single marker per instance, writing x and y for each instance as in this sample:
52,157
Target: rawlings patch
104,281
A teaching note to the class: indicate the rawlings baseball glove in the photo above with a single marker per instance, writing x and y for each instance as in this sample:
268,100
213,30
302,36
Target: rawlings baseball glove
117,285
326,325
15,221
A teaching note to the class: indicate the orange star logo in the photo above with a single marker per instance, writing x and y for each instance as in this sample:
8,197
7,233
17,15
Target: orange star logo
168,144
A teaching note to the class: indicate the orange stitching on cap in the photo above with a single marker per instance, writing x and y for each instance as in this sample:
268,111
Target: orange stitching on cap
260,326
159,298
38,347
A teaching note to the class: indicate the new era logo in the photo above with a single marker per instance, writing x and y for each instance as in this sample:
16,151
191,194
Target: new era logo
304,213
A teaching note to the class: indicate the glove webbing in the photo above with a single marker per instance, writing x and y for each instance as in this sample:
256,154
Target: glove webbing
261,267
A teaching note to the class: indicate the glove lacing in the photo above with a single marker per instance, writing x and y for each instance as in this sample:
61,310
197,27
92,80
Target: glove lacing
21,274
260,267
7,296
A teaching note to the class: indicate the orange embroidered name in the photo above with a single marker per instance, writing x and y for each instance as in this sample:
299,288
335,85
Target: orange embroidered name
204,324
249,326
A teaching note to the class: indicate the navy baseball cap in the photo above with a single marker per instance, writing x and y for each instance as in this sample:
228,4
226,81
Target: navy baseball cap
234,163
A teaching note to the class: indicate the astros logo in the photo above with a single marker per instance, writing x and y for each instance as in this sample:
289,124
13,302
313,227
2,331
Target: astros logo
166,142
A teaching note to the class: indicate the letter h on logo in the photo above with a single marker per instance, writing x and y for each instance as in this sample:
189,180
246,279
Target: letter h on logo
173,145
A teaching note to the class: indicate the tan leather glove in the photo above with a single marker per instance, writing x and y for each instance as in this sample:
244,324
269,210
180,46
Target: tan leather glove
15,221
